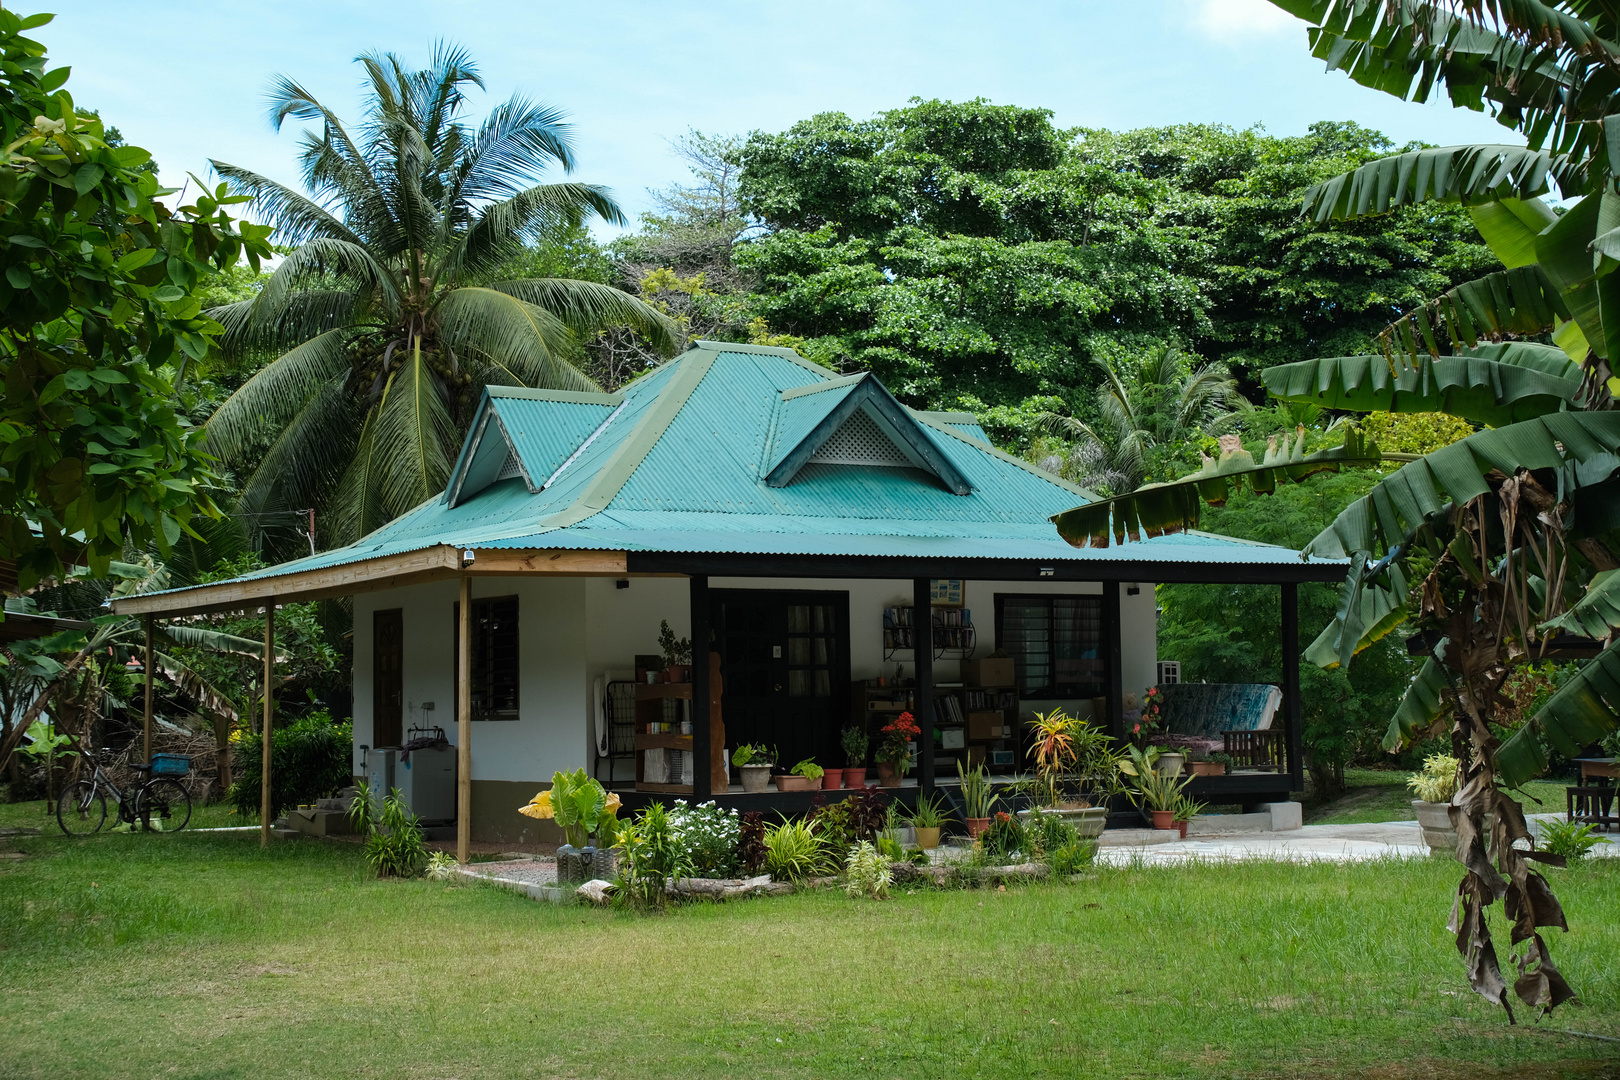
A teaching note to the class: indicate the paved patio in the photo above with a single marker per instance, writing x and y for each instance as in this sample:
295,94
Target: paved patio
1310,843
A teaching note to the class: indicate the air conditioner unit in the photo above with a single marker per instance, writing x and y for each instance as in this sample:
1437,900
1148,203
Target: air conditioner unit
1169,672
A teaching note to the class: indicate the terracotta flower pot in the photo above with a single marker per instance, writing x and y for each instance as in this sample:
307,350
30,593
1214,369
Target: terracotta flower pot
793,782
927,839
855,778
888,775
832,779
1163,819
1207,768
1181,827
976,826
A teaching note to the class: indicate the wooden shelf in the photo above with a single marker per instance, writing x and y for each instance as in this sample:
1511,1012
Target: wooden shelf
671,789
657,691
664,742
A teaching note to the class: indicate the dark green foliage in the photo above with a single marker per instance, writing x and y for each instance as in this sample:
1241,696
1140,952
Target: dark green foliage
1004,836
975,256
393,838
650,857
847,822
1229,633
311,758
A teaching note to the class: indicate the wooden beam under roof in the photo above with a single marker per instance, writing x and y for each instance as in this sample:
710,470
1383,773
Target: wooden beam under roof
438,563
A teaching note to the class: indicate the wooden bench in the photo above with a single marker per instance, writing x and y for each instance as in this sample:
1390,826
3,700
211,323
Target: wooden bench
1261,750
1594,806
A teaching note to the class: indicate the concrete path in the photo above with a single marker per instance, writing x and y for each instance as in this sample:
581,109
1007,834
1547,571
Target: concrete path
1311,843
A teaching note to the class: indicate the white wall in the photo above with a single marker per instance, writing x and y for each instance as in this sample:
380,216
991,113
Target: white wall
572,630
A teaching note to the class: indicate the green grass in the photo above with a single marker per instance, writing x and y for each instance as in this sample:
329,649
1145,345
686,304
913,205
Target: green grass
1382,795
205,956
38,815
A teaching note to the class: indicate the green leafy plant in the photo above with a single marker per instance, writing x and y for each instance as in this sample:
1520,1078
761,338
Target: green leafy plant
1223,759
710,837
310,758
1186,808
1611,744
794,850
1048,832
895,750
1571,840
808,768
651,858
867,875
1149,788
393,845
440,866
753,754
677,651
977,799
929,814
1004,838
1436,782
854,742
1072,857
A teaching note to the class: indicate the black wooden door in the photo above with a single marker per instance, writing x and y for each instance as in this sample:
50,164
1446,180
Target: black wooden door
785,666
387,677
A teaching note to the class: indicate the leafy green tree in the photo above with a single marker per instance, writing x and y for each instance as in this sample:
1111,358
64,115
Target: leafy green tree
96,303
978,257
1493,545
387,319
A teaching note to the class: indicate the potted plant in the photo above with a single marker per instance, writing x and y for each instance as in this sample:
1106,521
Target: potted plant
754,762
1075,771
1154,792
802,777
977,799
894,754
1202,764
855,742
677,654
1184,811
1171,762
1224,760
583,809
927,820
1434,785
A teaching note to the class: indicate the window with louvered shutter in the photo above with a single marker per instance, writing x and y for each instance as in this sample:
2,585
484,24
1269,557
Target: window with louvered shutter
1056,644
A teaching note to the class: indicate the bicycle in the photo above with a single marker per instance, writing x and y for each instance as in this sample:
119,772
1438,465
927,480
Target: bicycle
161,804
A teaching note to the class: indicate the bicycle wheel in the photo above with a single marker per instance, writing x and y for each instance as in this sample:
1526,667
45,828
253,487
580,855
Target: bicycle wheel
163,805
81,808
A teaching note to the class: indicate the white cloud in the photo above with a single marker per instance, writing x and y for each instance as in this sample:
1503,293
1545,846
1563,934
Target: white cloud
1236,21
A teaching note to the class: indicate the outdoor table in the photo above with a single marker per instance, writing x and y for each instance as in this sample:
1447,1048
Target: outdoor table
1602,769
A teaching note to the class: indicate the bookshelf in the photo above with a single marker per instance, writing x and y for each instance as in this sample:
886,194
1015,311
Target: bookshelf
953,632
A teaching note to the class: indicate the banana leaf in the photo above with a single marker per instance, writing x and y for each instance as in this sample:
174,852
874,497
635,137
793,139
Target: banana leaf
1467,174
1423,703
1521,302
1581,713
1493,385
1596,614
1415,494
1370,606
1510,227
1156,509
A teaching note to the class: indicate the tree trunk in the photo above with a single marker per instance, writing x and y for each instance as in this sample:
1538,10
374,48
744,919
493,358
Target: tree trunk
222,752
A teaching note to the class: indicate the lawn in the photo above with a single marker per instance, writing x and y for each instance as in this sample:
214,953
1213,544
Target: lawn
202,956
1382,795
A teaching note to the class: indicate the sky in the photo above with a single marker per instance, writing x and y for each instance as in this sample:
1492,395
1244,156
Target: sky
186,80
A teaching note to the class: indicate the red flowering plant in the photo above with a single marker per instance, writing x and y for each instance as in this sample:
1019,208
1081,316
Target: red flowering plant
896,746
1151,722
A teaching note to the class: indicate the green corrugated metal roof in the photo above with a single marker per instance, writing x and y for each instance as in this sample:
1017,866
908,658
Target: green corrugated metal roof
677,462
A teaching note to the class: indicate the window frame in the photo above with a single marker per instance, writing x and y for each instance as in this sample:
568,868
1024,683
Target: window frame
1055,691
475,708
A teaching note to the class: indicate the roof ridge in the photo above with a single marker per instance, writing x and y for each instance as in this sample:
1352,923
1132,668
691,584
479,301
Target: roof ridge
764,350
576,397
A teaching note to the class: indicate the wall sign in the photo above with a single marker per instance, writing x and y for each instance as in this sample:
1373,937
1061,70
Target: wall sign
945,592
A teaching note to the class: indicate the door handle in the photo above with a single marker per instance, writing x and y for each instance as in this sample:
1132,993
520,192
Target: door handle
778,688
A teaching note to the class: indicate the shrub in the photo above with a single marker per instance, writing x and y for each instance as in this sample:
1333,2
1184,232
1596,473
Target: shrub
311,758
751,842
439,866
393,837
708,837
1004,837
1072,857
1568,839
794,850
650,857
1048,833
845,823
1437,780
869,876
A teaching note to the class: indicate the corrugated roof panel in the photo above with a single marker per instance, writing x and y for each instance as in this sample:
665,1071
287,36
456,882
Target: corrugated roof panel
545,433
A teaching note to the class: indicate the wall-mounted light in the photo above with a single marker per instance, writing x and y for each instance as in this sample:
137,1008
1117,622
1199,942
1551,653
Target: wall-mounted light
1134,590
622,583
1047,571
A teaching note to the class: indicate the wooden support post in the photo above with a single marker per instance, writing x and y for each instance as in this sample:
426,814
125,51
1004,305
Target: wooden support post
1290,676
146,725
464,724
702,737
922,637
1113,643
267,728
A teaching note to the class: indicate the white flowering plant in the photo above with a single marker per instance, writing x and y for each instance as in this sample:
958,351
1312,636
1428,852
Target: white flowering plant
708,835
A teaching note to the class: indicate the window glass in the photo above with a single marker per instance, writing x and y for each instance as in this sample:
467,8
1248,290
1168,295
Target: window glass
494,691
1055,643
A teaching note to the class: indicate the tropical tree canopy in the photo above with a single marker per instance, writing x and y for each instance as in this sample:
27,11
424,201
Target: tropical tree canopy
391,313
1496,544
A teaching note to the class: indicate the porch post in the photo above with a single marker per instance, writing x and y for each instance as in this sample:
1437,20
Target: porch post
464,723
146,725
1290,675
922,637
1116,659
266,728
702,781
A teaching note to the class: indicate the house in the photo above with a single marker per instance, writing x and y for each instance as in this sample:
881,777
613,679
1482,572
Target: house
788,516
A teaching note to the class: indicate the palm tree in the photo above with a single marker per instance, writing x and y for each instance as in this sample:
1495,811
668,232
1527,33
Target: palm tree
390,315
1155,399
1494,546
